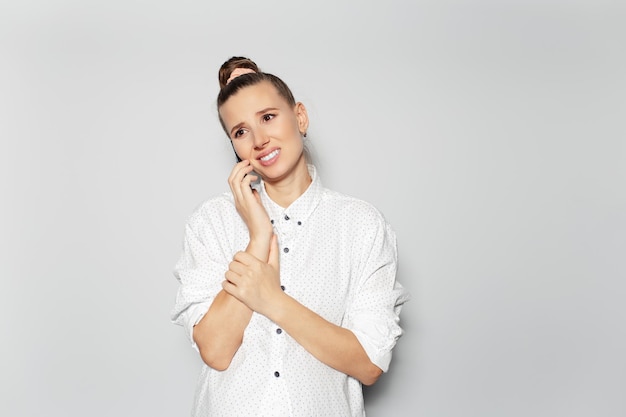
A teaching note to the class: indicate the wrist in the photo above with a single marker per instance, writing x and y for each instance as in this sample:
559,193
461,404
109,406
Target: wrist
279,308
261,230
261,237
259,246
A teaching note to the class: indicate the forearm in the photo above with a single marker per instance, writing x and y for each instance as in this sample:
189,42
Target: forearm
220,332
333,345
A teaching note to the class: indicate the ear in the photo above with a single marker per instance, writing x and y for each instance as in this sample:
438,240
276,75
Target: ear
303,117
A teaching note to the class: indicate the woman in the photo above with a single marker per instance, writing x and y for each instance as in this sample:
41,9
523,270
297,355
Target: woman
288,289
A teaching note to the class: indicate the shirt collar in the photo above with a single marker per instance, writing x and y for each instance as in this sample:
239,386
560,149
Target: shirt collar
300,210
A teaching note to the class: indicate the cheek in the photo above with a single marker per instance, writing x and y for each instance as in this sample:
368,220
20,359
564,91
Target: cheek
290,132
241,149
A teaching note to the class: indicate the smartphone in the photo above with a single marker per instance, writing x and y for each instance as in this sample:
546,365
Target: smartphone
255,182
236,156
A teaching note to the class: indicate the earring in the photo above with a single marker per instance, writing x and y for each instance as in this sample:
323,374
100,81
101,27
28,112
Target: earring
304,134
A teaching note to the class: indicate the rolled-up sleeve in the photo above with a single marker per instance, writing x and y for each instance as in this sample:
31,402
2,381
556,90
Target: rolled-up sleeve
374,313
200,276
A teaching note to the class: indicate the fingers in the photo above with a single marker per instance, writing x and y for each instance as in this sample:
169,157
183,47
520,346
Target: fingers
237,171
253,281
232,277
246,183
241,174
240,181
235,276
244,258
240,267
229,287
242,264
237,175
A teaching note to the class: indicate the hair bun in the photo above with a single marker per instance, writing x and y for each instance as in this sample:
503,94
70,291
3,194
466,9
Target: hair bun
232,64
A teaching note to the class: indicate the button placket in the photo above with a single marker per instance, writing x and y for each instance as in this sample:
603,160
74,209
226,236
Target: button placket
286,228
278,352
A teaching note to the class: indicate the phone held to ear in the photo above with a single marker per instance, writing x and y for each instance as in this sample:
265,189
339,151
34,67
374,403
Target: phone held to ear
236,156
255,182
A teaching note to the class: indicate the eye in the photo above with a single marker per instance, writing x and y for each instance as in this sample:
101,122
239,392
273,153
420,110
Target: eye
238,133
268,116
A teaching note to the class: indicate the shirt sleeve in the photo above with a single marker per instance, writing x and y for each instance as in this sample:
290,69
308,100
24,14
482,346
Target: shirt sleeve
200,274
374,313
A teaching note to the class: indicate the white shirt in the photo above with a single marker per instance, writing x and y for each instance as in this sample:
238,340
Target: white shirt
338,258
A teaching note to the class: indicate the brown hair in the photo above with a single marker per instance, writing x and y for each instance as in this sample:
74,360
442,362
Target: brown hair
232,64
227,90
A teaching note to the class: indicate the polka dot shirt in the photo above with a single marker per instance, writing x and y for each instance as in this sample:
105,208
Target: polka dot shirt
338,258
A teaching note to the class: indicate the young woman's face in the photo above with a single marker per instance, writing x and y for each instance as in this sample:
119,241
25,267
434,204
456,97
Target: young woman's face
266,130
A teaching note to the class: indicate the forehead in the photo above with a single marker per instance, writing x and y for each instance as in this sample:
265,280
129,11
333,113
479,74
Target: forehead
250,100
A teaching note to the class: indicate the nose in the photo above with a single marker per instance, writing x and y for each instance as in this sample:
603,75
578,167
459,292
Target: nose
260,139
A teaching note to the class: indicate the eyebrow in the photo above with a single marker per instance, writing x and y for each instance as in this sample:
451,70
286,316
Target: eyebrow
265,110
260,112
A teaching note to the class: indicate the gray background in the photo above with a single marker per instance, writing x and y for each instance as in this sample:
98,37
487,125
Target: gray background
490,134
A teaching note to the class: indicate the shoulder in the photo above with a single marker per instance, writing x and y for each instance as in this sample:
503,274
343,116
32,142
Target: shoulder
363,227
356,209
217,209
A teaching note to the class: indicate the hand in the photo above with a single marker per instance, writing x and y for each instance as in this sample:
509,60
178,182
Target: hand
248,201
254,282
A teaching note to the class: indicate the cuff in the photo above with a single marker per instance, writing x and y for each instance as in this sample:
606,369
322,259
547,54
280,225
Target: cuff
382,359
193,315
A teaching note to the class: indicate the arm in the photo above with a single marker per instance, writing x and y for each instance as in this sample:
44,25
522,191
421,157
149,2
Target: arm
361,346
258,285
333,345
220,332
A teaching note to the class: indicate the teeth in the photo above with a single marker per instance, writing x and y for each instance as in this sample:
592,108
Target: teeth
270,156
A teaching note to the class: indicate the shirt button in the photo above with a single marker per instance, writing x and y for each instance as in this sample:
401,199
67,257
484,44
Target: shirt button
279,331
286,217
282,287
286,250
299,223
276,374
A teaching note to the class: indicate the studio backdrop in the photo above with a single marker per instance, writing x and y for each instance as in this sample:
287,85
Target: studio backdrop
491,136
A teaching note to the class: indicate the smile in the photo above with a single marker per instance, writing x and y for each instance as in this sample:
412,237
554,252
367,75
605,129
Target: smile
270,155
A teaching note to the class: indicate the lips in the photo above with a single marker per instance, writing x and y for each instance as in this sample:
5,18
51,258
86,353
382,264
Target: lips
269,158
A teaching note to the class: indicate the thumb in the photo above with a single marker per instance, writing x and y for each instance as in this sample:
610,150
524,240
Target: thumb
273,258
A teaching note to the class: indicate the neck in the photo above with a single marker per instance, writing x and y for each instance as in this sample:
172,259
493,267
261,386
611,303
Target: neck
287,190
